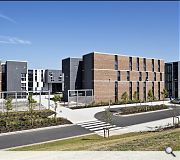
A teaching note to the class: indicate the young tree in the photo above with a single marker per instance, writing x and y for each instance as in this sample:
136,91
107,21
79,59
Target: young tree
124,97
150,96
8,105
56,99
135,96
164,94
31,103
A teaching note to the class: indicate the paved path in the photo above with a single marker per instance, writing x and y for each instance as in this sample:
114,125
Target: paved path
26,138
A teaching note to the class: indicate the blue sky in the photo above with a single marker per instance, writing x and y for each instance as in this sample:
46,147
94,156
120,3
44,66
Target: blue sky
43,33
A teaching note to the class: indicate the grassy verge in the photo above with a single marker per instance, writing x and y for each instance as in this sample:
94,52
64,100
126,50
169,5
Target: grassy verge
141,141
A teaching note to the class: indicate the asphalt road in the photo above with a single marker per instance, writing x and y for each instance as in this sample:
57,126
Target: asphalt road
20,139
121,121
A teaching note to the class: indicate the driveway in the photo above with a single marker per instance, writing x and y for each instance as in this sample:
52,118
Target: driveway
123,121
26,138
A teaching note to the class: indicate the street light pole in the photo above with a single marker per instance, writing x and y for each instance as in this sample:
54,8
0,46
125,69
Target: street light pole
109,95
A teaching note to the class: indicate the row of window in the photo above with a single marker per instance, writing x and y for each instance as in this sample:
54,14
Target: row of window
130,90
140,76
137,64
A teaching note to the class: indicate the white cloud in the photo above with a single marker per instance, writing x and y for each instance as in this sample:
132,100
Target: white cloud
7,18
13,40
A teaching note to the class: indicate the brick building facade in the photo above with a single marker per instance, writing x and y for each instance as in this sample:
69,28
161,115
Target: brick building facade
111,75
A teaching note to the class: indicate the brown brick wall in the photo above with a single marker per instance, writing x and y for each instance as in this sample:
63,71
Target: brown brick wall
104,70
123,62
105,75
134,63
134,76
149,65
103,61
123,87
103,91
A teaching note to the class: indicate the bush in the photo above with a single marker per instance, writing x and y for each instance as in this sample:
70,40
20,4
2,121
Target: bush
143,108
21,120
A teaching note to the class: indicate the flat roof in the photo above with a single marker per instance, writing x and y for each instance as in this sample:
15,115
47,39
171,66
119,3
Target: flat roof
95,52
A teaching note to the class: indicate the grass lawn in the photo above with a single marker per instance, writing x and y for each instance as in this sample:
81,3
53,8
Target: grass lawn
144,141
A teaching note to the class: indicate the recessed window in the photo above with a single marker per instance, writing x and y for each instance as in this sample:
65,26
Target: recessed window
158,65
146,76
130,90
137,64
118,75
130,63
153,65
116,63
144,64
154,76
160,76
140,76
128,76
23,76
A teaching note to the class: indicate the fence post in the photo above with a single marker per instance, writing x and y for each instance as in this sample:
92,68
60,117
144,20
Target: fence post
48,99
85,99
3,102
40,100
77,99
16,101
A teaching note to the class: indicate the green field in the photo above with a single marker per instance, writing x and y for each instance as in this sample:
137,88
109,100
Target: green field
144,141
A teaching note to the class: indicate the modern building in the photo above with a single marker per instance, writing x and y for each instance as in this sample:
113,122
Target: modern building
72,70
54,80
14,76
111,75
36,80
172,79
44,80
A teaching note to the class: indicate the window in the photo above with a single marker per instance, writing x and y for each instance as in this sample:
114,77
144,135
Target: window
23,76
153,88
52,79
130,90
138,90
154,76
153,65
37,84
128,76
160,76
158,65
118,75
137,64
36,75
144,64
60,78
116,91
116,63
140,76
144,90
42,76
130,63
146,76
159,91
23,86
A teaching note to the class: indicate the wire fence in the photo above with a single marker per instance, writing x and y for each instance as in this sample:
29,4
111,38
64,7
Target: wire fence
20,100
78,98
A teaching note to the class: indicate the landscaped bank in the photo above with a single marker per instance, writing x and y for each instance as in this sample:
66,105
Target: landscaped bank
142,108
15,121
141,141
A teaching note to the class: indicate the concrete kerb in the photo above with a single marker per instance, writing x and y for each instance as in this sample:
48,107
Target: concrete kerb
35,129
55,140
